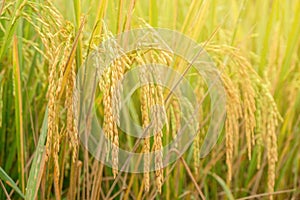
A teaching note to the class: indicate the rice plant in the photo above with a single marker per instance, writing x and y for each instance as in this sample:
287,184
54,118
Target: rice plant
48,50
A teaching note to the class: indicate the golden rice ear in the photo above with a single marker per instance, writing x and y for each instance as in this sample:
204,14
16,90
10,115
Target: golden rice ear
107,109
157,145
175,120
55,88
259,111
70,101
115,150
145,96
196,152
248,105
146,103
200,133
259,130
109,125
56,70
160,119
52,144
152,99
271,118
52,126
233,107
111,87
119,67
115,98
112,93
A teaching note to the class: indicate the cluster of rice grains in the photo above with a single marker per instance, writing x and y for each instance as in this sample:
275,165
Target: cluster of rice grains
151,101
56,130
251,110
57,48
110,85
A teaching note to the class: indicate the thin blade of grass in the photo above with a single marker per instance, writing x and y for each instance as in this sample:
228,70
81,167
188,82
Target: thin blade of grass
38,163
192,178
292,43
266,40
77,13
7,39
18,115
119,22
153,13
129,15
4,176
4,190
259,196
223,185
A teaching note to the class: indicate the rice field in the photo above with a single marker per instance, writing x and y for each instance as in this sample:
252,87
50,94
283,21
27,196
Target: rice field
132,99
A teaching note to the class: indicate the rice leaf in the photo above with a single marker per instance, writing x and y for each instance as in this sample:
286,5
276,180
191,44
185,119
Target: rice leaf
223,185
19,114
6,178
38,163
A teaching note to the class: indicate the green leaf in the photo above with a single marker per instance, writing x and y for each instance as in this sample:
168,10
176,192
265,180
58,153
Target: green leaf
4,176
38,163
20,138
223,185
